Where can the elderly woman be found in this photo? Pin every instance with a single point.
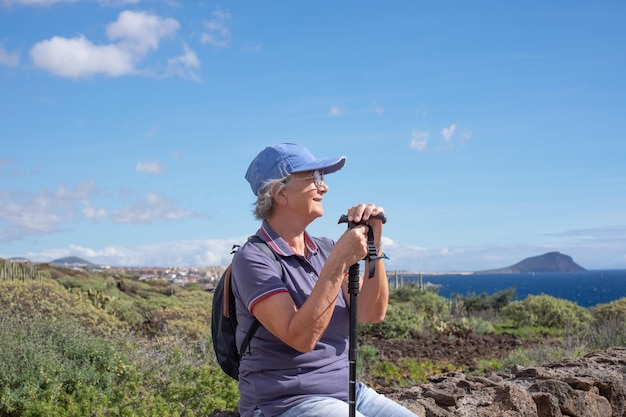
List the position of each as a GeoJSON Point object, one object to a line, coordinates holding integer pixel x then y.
{"type": "Point", "coordinates": [297, 363]}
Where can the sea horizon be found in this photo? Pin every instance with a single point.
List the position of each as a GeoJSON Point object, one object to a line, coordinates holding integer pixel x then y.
{"type": "Point", "coordinates": [585, 288]}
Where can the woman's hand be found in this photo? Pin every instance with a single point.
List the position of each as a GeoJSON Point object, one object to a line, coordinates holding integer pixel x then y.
{"type": "Point", "coordinates": [351, 247]}
{"type": "Point", "coordinates": [367, 213]}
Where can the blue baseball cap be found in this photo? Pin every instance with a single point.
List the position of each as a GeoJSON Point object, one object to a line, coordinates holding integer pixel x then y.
{"type": "Point", "coordinates": [278, 161]}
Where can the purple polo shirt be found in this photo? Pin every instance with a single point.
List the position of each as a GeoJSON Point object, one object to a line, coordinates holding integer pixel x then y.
{"type": "Point", "coordinates": [272, 376]}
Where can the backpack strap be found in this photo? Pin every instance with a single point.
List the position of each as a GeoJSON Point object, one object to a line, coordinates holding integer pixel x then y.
{"type": "Point", "coordinates": [225, 296]}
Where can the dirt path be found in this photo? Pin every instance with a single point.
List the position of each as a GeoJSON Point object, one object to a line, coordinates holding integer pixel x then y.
{"type": "Point", "coordinates": [446, 349]}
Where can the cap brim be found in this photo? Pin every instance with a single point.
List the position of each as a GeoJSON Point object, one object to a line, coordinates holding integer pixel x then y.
{"type": "Point", "coordinates": [327, 166]}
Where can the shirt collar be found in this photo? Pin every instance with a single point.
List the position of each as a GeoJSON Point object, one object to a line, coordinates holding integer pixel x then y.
{"type": "Point", "coordinates": [279, 245]}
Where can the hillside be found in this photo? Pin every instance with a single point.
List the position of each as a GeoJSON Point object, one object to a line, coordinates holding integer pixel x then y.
{"type": "Point", "coordinates": [72, 261]}
{"type": "Point", "coordinates": [548, 262]}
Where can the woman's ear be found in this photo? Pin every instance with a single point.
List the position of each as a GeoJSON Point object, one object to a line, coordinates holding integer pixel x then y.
{"type": "Point", "coordinates": [279, 195]}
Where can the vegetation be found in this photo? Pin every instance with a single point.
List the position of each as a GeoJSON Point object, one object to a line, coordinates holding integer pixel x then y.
{"type": "Point", "coordinates": [76, 343]}
{"type": "Point", "coordinates": [544, 310]}
{"type": "Point", "coordinates": [558, 328]}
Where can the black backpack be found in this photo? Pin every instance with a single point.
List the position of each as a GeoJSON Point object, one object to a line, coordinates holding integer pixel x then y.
{"type": "Point", "coordinates": [224, 316]}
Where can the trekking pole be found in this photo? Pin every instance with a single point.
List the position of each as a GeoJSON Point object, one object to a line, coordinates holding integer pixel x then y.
{"type": "Point", "coordinates": [353, 290]}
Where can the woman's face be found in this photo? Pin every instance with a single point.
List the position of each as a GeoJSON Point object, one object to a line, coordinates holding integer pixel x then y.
{"type": "Point", "coordinates": [306, 192]}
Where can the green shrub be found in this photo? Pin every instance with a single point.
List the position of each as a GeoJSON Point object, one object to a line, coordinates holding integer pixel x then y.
{"type": "Point", "coordinates": [405, 293]}
{"type": "Point", "coordinates": [431, 305]}
{"type": "Point", "coordinates": [406, 371]}
{"type": "Point", "coordinates": [401, 322]}
{"type": "Point", "coordinates": [615, 310]}
{"type": "Point", "coordinates": [388, 372]}
{"type": "Point", "coordinates": [51, 368]}
{"type": "Point", "coordinates": [183, 374]}
{"type": "Point", "coordinates": [485, 366]}
{"type": "Point", "coordinates": [367, 357]}
{"type": "Point", "coordinates": [48, 368]}
{"type": "Point", "coordinates": [536, 355]}
{"type": "Point", "coordinates": [48, 298]}
{"type": "Point", "coordinates": [606, 333]}
{"type": "Point", "coordinates": [417, 372]}
{"type": "Point", "coordinates": [548, 311]}
{"type": "Point", "coordinates": [485, 302]}
{"type": "Point", "coordinates": [466, 326]}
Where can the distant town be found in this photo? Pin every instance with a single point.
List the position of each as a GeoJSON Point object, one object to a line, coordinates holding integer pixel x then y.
{"type": "Point", "coordinates": [206, 277]}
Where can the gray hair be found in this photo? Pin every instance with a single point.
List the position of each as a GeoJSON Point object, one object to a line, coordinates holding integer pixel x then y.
{"type": "Point", "coordinates": [265, 200]}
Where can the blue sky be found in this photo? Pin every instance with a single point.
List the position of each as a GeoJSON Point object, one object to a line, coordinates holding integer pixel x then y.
{"type": "Point", "coordinates": [490, 131]}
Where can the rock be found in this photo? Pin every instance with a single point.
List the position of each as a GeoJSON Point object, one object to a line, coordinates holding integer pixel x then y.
{"type": "Point", "coordinates": [592, 386]}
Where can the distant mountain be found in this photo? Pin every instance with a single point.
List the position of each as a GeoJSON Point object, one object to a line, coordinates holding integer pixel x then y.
{"type": "Point", "coordinates": [72, 261]}
{"type": "Point", "coordinates": [548, 262]}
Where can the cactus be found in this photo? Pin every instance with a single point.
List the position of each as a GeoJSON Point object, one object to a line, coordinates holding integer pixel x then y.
{"type": "Point", "coordinates": [171, 290]}
{"type": "Point", "coordinates": [98, 299]}
{"type": "Point", "coordinates": [19, 271]}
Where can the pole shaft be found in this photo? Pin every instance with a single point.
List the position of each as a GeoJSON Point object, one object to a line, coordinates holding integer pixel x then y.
{"type": "Point", "coordinates": [353, 290]}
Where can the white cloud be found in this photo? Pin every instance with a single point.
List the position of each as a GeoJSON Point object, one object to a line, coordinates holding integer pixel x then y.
{"type": "Point", "coordinates": [9, 59]}
{"type": "Point", "coordinates": [78, 57]}
{"type": "Point", "coordinates": [137, 34]}
{"type": "Point", "coordinates": [152, 167]}
{"type": "Point", "coordinates": [188, 59]}
{"type": "Point", "coordinates": [153, 207]}
{"type": "Point", "coordinates": [419, 140]}
{"type": "Point", "coordinates": [95, 213]}
{"type": "Point", "coordinates": [335, 111]}
{"type": "Point", "coordinates": [216, 32]}
{"type": "Point", "coordinates": [448, 142]}
{"type": "Point", "coordinates": [184, 65]}
{"type": "Point", "coordinates": [186, 253]}
{"type": "Point", "coordinates": [44, 212]}
{"type": "Point", "coordinates": [453, 138]}
{"type": "Point", "coordinates": [49, 211]}
{"type": "Point", "coordinates": [448, 132]}
{"type": "Point", "coordinates": [140, 31]}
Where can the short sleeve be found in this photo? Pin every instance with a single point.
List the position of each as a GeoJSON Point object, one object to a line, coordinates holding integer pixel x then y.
{"type": "Point", "coordinates": [256, 276]}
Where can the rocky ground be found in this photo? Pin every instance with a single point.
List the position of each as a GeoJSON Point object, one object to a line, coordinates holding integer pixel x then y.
{"type": "Point", "coordinates": [592, 386]}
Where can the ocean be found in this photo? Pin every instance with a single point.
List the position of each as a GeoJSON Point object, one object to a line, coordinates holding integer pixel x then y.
{"type": "Point", "coordinates": [586, 289]}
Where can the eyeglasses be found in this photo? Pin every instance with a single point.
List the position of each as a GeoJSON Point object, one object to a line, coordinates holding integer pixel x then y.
{"type": "Point", "coordinates": [317, 178]}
